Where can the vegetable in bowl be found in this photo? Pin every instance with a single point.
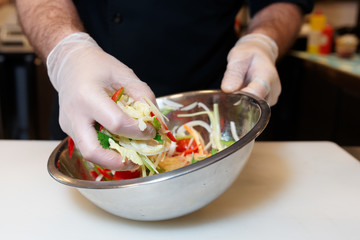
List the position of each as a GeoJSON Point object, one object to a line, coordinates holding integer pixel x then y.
{"type": "Point", "coordinates": [185, 144]}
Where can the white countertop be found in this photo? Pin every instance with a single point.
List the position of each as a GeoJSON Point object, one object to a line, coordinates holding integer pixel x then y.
{"type": "Point", "coordinates": [287, 190]}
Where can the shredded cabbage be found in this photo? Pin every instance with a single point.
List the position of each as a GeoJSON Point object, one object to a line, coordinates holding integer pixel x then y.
{"type": "Point", "coordinates": [146, 147]}
{"type": "Point", "coordinates": [126, 153]}
{"type": "Point", "coordinates": [161, 153]}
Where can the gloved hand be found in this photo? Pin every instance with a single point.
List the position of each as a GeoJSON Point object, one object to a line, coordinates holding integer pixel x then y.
{"type": "Point", "coordinates": [251, 68]}
{"type": "Point", "coordinates": [84, 76]}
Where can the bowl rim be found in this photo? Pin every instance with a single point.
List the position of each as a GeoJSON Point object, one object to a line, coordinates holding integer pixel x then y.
{"type": "Point", "coordinates": [259, 126]}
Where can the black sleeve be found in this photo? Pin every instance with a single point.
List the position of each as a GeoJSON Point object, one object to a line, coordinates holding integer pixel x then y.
{"type": "Point", "coordinates": [256, 5]}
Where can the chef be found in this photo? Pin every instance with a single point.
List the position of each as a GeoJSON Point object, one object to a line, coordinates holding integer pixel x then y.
{"type": "Point", "coordinates": [152, 48]}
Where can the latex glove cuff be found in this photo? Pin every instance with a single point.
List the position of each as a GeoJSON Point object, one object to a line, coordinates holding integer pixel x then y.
{"type": "Point", "coordinates": [266, 41]}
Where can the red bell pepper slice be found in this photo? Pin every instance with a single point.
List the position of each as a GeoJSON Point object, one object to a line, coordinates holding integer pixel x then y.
{"type": "Point", "coordinates": [122, 175]}
{"type": "Point", "coordinates": [71, 146]}
{"type": "Point", "coordinates": [168, 133]}
{"type": "Point", "coordinates": [117, 95]}
{"type": "Point", "coordinates": [171, 137]}
{"type": "Point", "coordinates": [183, 146]}
{"type": "Point", "coordinates": [191, 150]}
{"type": "Point", "coordinates": [105, 173]}
{"type": "Point", "coordinates": [94, 174]}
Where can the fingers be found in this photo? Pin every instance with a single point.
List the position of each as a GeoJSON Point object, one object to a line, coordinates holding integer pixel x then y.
{"type": "Point", "coordinates": [258, 87]}
{"type": "Point", "coordinates": [116, 121]}
{"type": "Point", "coordinates": [78, 116]}
{"type": "Point", "coordinates": [265, 85]}
{"type": "Point", "coordinates": [85, 136]}
{"type": "Point", "coordinates": [234, 76]}
{"type": "Point", "coordinates": [255, 74]}
{"type": "Point", "coordinates": [261, 88]}
{"type": "Point", "coordinates": [82, 73]}
{"type": "Point", "coordinates": [100, 108]}
{"type": "Point", "coordinates": [251, 68]}
{"type": "Point", "coordinates": [79, 124]}
{"type": "Point", "coordinates": [122, 76]}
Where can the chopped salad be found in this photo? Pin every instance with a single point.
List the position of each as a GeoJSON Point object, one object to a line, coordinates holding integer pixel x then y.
{"type": "Point", "coordinates": [168, 150]}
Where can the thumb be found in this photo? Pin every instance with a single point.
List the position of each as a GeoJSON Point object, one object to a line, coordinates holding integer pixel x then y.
{"type": "Point", "coordinates": [234, 76]}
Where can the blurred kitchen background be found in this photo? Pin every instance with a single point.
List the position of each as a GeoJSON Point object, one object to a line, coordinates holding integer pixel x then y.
{"type": "Point", "coordinates": [320, 80]}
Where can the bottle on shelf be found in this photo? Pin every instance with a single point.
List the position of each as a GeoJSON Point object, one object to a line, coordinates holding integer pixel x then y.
{"type": "Point", "coordinates": [317, 25]}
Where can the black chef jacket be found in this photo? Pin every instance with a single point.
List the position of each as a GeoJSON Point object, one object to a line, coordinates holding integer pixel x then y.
{"type": "Point", "coordinates": [173, 46]}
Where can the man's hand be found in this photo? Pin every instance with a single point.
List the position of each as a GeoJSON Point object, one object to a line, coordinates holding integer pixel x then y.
{"type": "Point", "coordinates": [251, 68]}
{"type": "Point", "coordinates": [251, 62]}
{"type": "Point", "coordinates": [84, 76]}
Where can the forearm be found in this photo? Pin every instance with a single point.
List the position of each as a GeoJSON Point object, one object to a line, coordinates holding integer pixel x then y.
{"type": "Point", "coordinates": [279, 21]}
{"type": "Point", "coordinates": [47, 22]}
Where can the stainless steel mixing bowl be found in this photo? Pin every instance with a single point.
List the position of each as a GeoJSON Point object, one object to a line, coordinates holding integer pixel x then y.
{"type": "Point", "coordinates": [182, 191]}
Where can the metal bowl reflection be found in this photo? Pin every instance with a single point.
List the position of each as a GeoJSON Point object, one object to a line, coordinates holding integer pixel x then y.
{"type": "Point", "coordinates": [178, 192]}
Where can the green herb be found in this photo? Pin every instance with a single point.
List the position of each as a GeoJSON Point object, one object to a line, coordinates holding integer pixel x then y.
{"type": "Point", "coordinates": [104, 140]}
{"type": "Point", "coordinates": [213, 151]}
{"type": "Point", "coordinates": [158, 138]}
{"type": "Point", "coordinates": [157, 124]}
{"type": "Point", "coordinates": [227, 143]}
{"type": "Point", "coordinates": [193, 160]}
{"type": "Point", "coordinates": [166, 110]}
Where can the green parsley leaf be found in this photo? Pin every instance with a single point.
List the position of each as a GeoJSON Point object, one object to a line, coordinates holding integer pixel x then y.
{"type": "Point", "coordinates": [104, 140]}
{"type": "Point", "coordinates": [158, 138]}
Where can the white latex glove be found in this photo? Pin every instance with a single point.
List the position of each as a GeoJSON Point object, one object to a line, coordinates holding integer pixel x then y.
{"type": "Point", "coordinates": [84, 76]}
{"type": "Point", "coordinates": [251, 68]}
